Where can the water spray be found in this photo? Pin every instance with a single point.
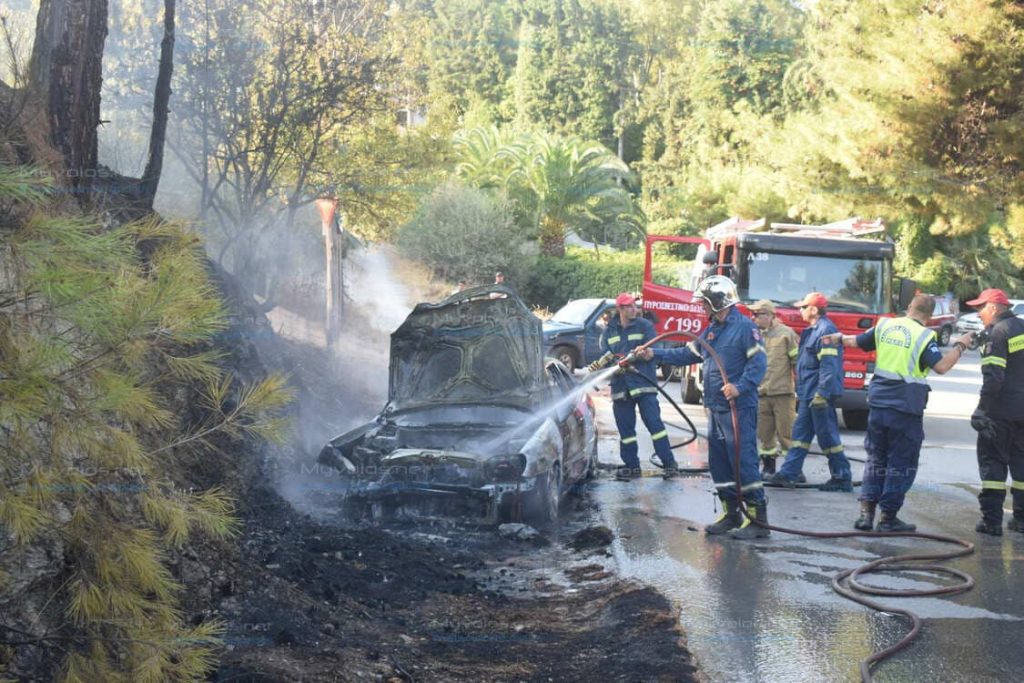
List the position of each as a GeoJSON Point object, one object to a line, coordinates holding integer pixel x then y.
{"type": "Point", "coordinates": [848, 583]}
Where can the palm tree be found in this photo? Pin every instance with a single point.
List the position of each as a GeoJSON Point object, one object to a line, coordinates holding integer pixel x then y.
{"type": "Point", "coordinates": [556, 184]}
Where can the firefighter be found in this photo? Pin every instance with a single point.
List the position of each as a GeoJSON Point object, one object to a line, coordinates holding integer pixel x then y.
{"type": "Point", "coordinates": [819, 384]}
{"type": "Point", "coordinates": [625, 332]}
{"type": "Point", "coordinates": [777, 393]}
{"type": "Point", "coordinates": [897, 396]}
{"type": "Point", "coordinates": [740, 346]}
{"type": "Point", "coordinates": [999, 417]}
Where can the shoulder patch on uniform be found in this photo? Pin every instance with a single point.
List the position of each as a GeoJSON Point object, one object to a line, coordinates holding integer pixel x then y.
{"type": "Point", "coordinates": [757, 334]}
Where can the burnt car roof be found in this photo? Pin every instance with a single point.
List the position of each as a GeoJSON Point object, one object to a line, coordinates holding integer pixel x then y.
{"type": "Point", "coordinates": [482, 345]}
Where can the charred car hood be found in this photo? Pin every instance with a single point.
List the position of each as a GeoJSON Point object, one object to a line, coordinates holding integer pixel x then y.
{"type": "Point", "coordinates": [481, 346]}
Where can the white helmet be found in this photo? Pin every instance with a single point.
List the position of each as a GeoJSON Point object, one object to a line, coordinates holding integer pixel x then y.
{"type": "Point", "coordinates": [719, 291]}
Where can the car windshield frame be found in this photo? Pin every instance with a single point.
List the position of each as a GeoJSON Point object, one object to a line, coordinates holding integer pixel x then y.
{"type": "Point", "coordinates": [577, 307]}
{"type": "Point", "coordinates": [800, 274]}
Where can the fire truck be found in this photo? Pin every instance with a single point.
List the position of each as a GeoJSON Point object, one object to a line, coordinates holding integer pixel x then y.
{"type": "Point", "coordinates": [782, 262]}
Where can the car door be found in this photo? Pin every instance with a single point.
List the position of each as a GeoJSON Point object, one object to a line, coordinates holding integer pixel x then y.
{"type": "Point", "coordinates": [571, 415]}
{"type": "Point", "coordinates": [596, 324]}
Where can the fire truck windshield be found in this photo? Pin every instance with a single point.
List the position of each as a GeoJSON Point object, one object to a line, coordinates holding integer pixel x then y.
{"type": "Point", "coordinates": [851, 284]}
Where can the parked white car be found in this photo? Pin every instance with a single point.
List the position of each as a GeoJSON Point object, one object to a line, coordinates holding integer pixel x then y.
{"type": "Point", "coordinates": [970, 322]}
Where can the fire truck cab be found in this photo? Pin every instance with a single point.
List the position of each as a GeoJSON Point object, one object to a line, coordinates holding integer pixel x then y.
{"type": "Point", "coordinates": [783, 262]}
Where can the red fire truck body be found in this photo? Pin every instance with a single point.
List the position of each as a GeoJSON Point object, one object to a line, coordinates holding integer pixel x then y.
{"type": "Point", "coordinates": [782, 263]}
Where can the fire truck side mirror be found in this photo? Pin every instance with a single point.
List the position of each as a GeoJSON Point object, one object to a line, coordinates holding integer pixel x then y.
{"type": "Point", "coordinates": [710, 258]}
{"type": "Point", "coordinates": [907, 290]}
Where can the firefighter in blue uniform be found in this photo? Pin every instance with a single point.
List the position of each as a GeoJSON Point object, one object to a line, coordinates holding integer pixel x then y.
{"type": "Point", "coordinates": [819, 384]}
{"type": "Point", "coordinates": [738, 342]}
{"type": "Point", "coordinates": [906, 350]}
{"type": "Point", "coordinates": [630, 390]}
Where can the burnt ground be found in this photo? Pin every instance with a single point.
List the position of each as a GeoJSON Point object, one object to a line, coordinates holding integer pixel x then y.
{"type": "Point", "coordinates": [304, 601]}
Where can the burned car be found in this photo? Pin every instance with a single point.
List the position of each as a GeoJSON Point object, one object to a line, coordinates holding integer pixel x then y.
{"type": "Point", "coordinates": [478, 422]}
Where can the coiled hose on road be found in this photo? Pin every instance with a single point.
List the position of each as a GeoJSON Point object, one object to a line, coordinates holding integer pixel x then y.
{"type": "Point", "coordinates": [853, 588]}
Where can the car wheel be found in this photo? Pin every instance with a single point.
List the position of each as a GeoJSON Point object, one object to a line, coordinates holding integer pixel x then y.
{"type": "Point", "coordinates": [549, 496]}
{"type": "Point", "coordinates": [592, 463]}
{"type": "Point", "coordinates": [691, 394]}
{"type": "Point", "coordinates": [855, 419]}
{"type": "Point", "coordinates": [944, 335]}
{"type": "Point", "coordinates": [567, 355]}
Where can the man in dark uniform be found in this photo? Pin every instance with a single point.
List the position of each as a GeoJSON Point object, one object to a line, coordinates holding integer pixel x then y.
{"type": "Point", "coordinates": [739, 344]}
{"type": "Point", "coordinates": [630, 391]}
{"type": "Point", "coordinates": [906, 350]}
{"type": "Point", "coordinates": [999, 417]}
{"type": "Point", "coordinates": [819, 384]}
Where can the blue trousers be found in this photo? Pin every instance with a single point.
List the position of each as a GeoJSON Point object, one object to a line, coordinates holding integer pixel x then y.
{"type": "Point", "coordinates": [722, 455]}
{"type": "Point", "coordinates": [893, 442]}
{"type": "Point", "coordinates": [823, 423]}
{"type": "Point", "coordinates": [624, 410]}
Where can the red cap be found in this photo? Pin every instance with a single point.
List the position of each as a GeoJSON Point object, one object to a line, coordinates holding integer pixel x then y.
{"type": "Point", "coordinates": [625, 299]}
{"type": "Point", "coordinates": [995, 296]}
{"type": "Point", "coordinates": [813, 299]}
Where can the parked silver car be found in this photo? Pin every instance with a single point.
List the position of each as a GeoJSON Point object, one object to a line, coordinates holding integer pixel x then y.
{"type": "Point", "coordinates": [970, 322]}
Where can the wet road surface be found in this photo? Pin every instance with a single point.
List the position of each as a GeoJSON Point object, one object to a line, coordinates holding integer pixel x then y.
{"type": "Point", "coordinates": [764, 610]}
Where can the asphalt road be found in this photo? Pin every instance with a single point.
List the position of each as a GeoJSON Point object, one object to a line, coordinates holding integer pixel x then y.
{"type": "Point", "coordinates": [764, 610]}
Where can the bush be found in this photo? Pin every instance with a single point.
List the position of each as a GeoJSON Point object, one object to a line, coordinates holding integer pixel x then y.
{"type": "Point", "coordinates": [582, 274]}
{"type": "Point", "coordinates": [464, 234]}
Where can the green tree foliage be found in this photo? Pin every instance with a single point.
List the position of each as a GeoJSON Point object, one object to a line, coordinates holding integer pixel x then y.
{"type": "Point", "coordinates": [571, 73]}
{"type": "Point", "coordinates": [97, 343]}
{"type": "Point", "coordinates": [466, 234]}
{"type": "Point", "coordinates": [557, 184]}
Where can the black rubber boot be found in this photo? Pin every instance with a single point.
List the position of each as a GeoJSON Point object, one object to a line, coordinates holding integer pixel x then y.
{"type": "Point", "coordinates": [768, 466]}
{"type": "Point", "coordinates": [729, 519]}
{"type": "Point", "coordinates": [748, 530]}
{"type": "Point", "coordinates": [780, 481]}
{"type": "Point", "coordinates": [891, 523]}
{"type": "Point", "coordinates": [1015, 524]}
{"type": "Point", "coordinates": [843, 485]}
{"type": "Point", "coordinates": [991, 528]}
{"type": "Point", "coordinates": [867, 517]}
{"type": "Point", "coordinates": [670, 473]}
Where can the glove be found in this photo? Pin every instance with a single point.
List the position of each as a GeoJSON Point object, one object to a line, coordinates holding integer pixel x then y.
{"type": "Point", "coordinates": [601, 362]}
{"type": "Point", "coordinates": [819, 401]}
{"type": "Point", "coordinates": [983, 424]}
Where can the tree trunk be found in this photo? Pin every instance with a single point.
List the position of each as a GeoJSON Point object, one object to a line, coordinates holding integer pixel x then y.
{"type": "Point", "coordinates": [161, 98]}
{"type": "Point", "coordinates": [552, 237]}
{"type": "Point", "coordinates": [65, 74]}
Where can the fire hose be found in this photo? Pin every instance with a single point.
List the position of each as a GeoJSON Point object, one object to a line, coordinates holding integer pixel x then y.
{"type": "Point", "coordinates": [848, 583]}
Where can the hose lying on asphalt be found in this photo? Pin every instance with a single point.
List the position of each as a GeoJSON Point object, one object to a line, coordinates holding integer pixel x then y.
{"type": "Point", "coordinates": [848, 582]}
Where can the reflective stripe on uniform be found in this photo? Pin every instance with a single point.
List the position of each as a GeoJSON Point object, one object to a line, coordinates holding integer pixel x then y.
{"type": "Point", "coordinates": [693, 348]}
{"type": "Point", "coordinates": [754, 350]}
{"type": "Point", "coordinates": [618, 396]}
{"type": "Point", "coordinates": [634, 337]}
{"type": "Point", "coordinates": [753, 486]}
{"type": "Point", "coordinates": [828, 352]}
{"type": "Point", "coordinates": [614, 340]}
{"type": "Point", "coordinates": [629, 439]}
{"type": "Point", "coordinates": [663, 434]}
{"type": "Point", "coordinates": [793, 351]}
{"type": "Point", "coordinates": [1019, 485]}
{"type": "Point", "coordinates": [801, 444]}
{"type": "Point", "coordinates": [642, 390]}
{"type": "Point", "coordinates": [1016, 343]}
{"type": "Point", "coordinates": [725, 485]}
{"type": "Point", "coordinates": [834, 449]}
{"type": "Point", "coordinates": [993, 484]}
{"type": "Point", "coordinates": [994, 360]}
{"type": "Point", "coordinates": [763, 452]}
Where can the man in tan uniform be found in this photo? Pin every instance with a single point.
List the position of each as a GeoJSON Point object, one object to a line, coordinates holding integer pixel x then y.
{"type": "Point", "coordinates": [777, 408]}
